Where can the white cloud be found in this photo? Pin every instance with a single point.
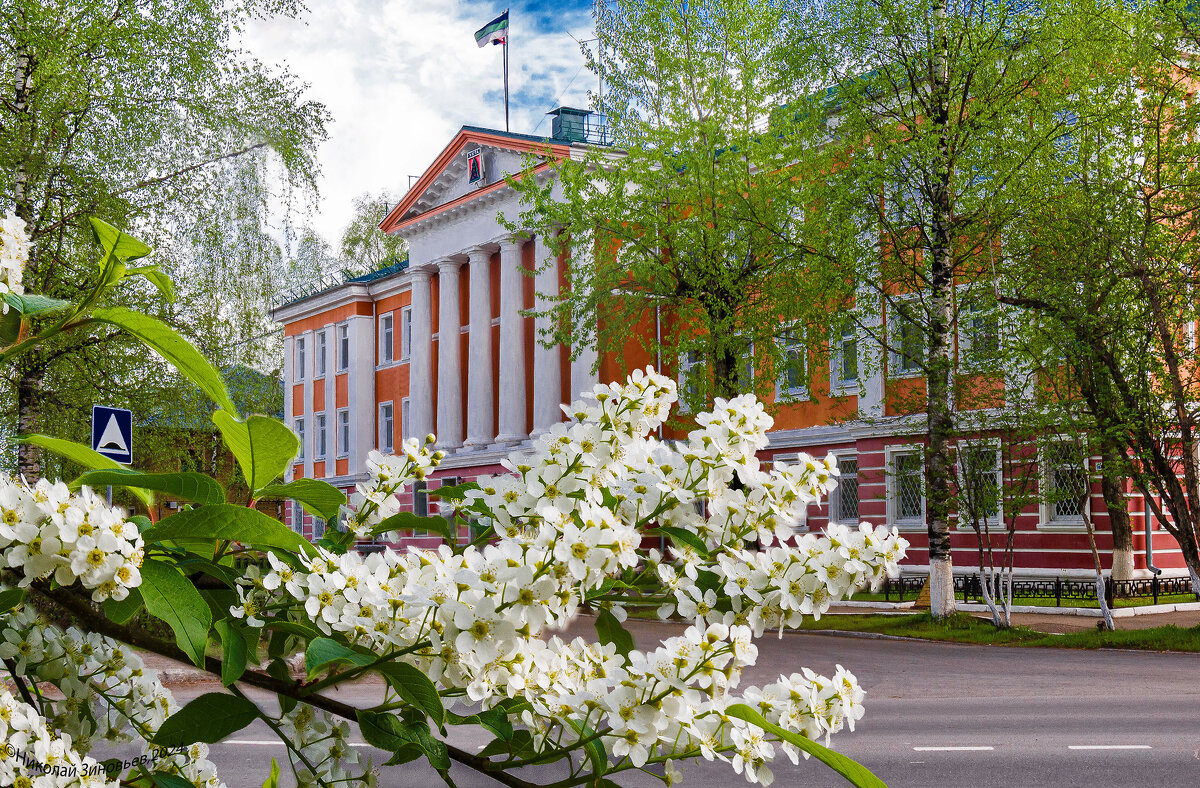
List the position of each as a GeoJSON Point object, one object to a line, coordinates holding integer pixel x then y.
{"type": "Point", "coordinates": [400, 77]}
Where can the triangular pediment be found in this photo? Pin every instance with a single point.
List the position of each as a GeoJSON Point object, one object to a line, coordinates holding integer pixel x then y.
{"type": "Point", "coordinates": [449, 179]}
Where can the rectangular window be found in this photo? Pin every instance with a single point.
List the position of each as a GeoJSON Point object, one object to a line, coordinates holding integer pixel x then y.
{"type": "Point", "coordinates": [405, 424]}
{"type": "Point", "coordinates": [297, 517]}
{"type": "Point", "coordinates": [343, 351]}
{"type": "Point", "coordinates": [691, 367]}
{"type": "Point", "coordinates": [322, 351]}
{"type": "Point", "coordinates": [1066, 483]}
{"type": "Point", "coordinates": [343, 433]}
{"type": "Point", "coordinates": [793, 377]}
{"type": "Point", "coordinates": [301, 358]}
{"type": "Point", "coordinates": [844, 500]}
{"type": "Point", "coordinates": [906, 493]}
{"type": "Point", "coordinates": [420, 499]}
{"type": "Point", "coordinates": [980, 484]}
{"type": "Point", "coordinates": [318, 528]}
{"type": "Point", "coordinates": [978, 330]}
{"type": "Point", "coordinates": [319, 438]}
{"type": "Point", "coordinates": [405, 332]}
{"type": "Point", "coordinates": [386, 428]}
{"type": "Point", "coordinates": [844, 360]}
{"type": "Point", "coordinates": [386, 346]}
{"type": "Point", "coordinates": [299, 430]}
{"type": "Point", "coordinates": [907, 338]}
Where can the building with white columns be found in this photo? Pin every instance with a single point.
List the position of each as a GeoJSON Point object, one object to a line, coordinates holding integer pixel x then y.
{"type": "Point", "coordinates": [439, 344]}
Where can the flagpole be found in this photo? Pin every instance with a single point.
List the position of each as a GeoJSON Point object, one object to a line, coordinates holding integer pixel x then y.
{"type": "Point", "coordinates": [507, 34]}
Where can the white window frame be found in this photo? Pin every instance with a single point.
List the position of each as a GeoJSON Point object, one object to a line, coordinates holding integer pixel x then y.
{"type": "Point", "coordinates": [837, 384]}
{"type": "Point", "coordinates": [298, 428]}
{"type": "Point", "coordinates": [796, 340]}
{"type": "Point", "coordinates": [835, 513]}
{"type": "Point", "coordinates": [320, 437]}
{"type": "Point", "coordinates": [387, 427]}
{"type": "Point", "coordinates": [297, 517]}
{"type": "Point", "coordinates": [405, 415]}
{"type": "Point", "coordinates": [1047, 520]}
{"type": "Point", "coordinates": [301, 359]}
{"type": "Point", "coordinates": [387, 338]}
{"type": "Point", "coordinates": [320, 355]}
{"type": "Point", "coordinates": [405, 333]}
{"type": "Point", "coordinates": [343, 432]}
{"type": "Point", "coordinates": [891, 453]}
{"type": "Point", "coordinates": [996, 520]}
{"type": "Point", "coordinates": [895, 345]}
{"type": "Point", "coordinates": [343, 347]}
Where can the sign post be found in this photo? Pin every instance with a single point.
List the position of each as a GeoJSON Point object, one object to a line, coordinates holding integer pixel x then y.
{"type": "Point", "coordinates": [112, 435]}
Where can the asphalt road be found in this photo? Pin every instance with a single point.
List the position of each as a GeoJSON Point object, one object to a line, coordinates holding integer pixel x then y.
{"type": "Point", "coordinates": [937, 715]}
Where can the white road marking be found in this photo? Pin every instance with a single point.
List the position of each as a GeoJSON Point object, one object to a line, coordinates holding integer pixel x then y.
{"type": "Point", "coordinates": [1109, 747]}
{"type": "Point", "coordinates": [952, 749]}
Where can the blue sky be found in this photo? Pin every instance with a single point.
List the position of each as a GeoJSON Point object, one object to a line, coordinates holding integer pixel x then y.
{"type": "Point", "coordinates": [401, 76]}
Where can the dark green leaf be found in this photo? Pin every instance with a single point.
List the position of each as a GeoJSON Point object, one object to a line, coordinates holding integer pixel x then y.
{"type": "Point", "coordinates": [10, 598]}
{"type": "Point", "coordinates": [263, 446]}
{"type": "Point", "coordinates": [382, 730]}
{"type": "Point", "coordinates": [10, 326]}
{"type": "Point", "coordinates": [33, 305]}
{"type": "Point", "coordinates": [596, 752]}
{"type": "Point", "coordinates": [80, 454]}
{"type": "Point", "coordinates": [121, 612]}
{"type": "Point", "coordinates": [415, 687]}
{"type": "Point", "coordinates": [171, 597]}
{"type": "Point", "coordinates": [406, 754]}
{"type": "Point", "coordinates": [316, 496]}
{"type": "Point", "coordinates": [226, 521]}
{"type": "Point", "coordinates": [209, 718]}
{"type": "Point", "coordinates": [306, 631]}
{"type": "Point", "coordinates": [852, 770]}
{"type": "Point", "coordinates": [233, 651]}
{"type": "Point", "coordinates": [141, 521]}
{"type": "Point", "coordinates": [609, 630]}
{"type": "Point", "coordinates": [494, 719]}
{"type": "Point", "coordinates": [324, 652]}
{"type": "Point", "coordinates": [684, 536]}
{"type": "Point", "coordinates": [189, 486]}
{"type": "Point", "coordinates": [455, 492]}
{"type": "Point", "coordinates": [407, 521]}
{"type": "Point", "coordinates": [121, 246]}
{"type": "Point", "coordinates": [164, 780]}
{"type": "Point", "coordinates": [175, 349]}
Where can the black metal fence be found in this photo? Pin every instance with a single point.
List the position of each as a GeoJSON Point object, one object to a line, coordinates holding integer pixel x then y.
{"type": "Point", "coordinates": [970, 587]}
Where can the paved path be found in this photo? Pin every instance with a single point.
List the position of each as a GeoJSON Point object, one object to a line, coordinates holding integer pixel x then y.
{"type": "Point", "coordinates": [938, 715]}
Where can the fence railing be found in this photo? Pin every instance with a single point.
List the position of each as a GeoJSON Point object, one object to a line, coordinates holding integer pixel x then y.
{"type": "Point", "coordinates": [908, 587]}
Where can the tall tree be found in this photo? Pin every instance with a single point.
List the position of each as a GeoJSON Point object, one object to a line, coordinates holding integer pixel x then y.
{"type": "Point", "coordinates": [662, 221]}
{"type": "Point", "coordinates": [364, 247]}
{"type": "Point", "coordinates": [128, 109]}
{"type": "Point", "coordinates": [914, 125]}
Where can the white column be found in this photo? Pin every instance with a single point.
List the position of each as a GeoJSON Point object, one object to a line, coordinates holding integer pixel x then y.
{"type": "Point", "coordinates": [310, 419]}
{"type": "Point", "coordinates": [420, 366]}
{"type": "Point", "coordinates": [290, 379]}
{"type": "Point", "coordinates": [583, 378]}
{"type": "Point", "coordinates": [360, 391]}
{"type": "Point", "coordinates": [481, 427]}
{"type": "Point", "coordinates": [547, 377]}
{"type": "Point", "coordinates": [449, 399]}
{"type": "Point", "coordinates": [512, 344]}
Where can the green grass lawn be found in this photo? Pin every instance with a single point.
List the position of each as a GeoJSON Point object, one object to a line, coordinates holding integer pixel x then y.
{"type": "Point", "coordinates": [1163, 599]}
{"type": "Point", "coordinates": [964, 628]}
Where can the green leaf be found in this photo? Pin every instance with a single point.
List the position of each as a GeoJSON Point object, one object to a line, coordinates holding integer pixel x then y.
{"type": "Point", "coordinates": [596, 752]}
{"type": "Point", "coordinates": [494, 719]}
{"type": "Point", "coordinates": [318, 497]}
{"type": "Point", "coordinates": [171, 597]}
{"type": "Point", "coordinates": [81, 455]}
{"type": "Point", "coordinates": [34, 305]}
{"type": "Point", "coordinates": [157, 278]}
{"type": "Point", "coordinates": [10, 326]}
{"type": "Point", "coordinates": [121, 246]}
{"type": "Point", "coordinates": [324, 652]}
{"type": "Point", "coordinates": [209, 718]}
{"type": "Point", "coordinates": [382, 730]}
{"type": "Point", "coordinates": [272, 778]}
{"type": "Point", "coordinates": [164, 780]}
{"type": "Point", "coordinates": [121, 612]}
{"type": "Point", "coordinates": [10, 598]}
{"type": "Point", "coordinates": [263, 447]}
{"type": "Point", "coordinates": [684, 536]}
{"type": "Point", "coordinates": [189, 486]}
{"type": "Point", "coordinates": [406, 753]}
{"type": "Point", "coordinates": [852, 770]}
{"type": "Point", "coordinates": [455, 492]}
{"type": "Point", "coordinates": [407, 521]}
{"type": "Point", "coordinates": [175, 349]}
{"type": "Point", "coordinates": [411, 684]}
{"type": "Point", "coordinates": [233, 651]}
{"type": "Point", "coordinates": [227, 521]}
{"type": "Point", "coordinates": [609, 630]}
{"type": "Point", "coordinates": [306, 631]}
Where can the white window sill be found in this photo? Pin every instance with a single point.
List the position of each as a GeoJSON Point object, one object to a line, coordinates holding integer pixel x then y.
{"type": "Point", "coordinates": [905, 375]}
{"type": "Point", "coordinates": [909, 525]}
{"type": "Point", "coordinates": [844, 391]}
{"type": "Point", "coordinates": [1063, 526]}
{"type": "Point", "coordinates": [792, 395]}
{"type": "Point", "coordinates": [387, 365]}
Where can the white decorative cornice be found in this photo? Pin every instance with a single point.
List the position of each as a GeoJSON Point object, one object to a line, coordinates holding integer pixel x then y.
{"type": "Point", "coordinates": [321, 302]}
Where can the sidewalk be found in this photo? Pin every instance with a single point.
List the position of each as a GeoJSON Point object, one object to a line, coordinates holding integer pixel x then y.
{"type": "Point", "coordinates": [1056, 623]}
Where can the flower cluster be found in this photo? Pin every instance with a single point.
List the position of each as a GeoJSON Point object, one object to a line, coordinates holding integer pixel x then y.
{"type": "Point", "coordinates": [14, 253]}
{"type": "Point", "coordinates": [47, 530]}
{"type": "Point", "coordinates": [570, 521]}
{"type": "Point", "coordinates": [324, 744]}
{"type": "Point", "coordinates": [34, 754]}
{"type": "Point", "coordinates": [107, 693]}
{"type": "Point", "coordinates": [377, 502]}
